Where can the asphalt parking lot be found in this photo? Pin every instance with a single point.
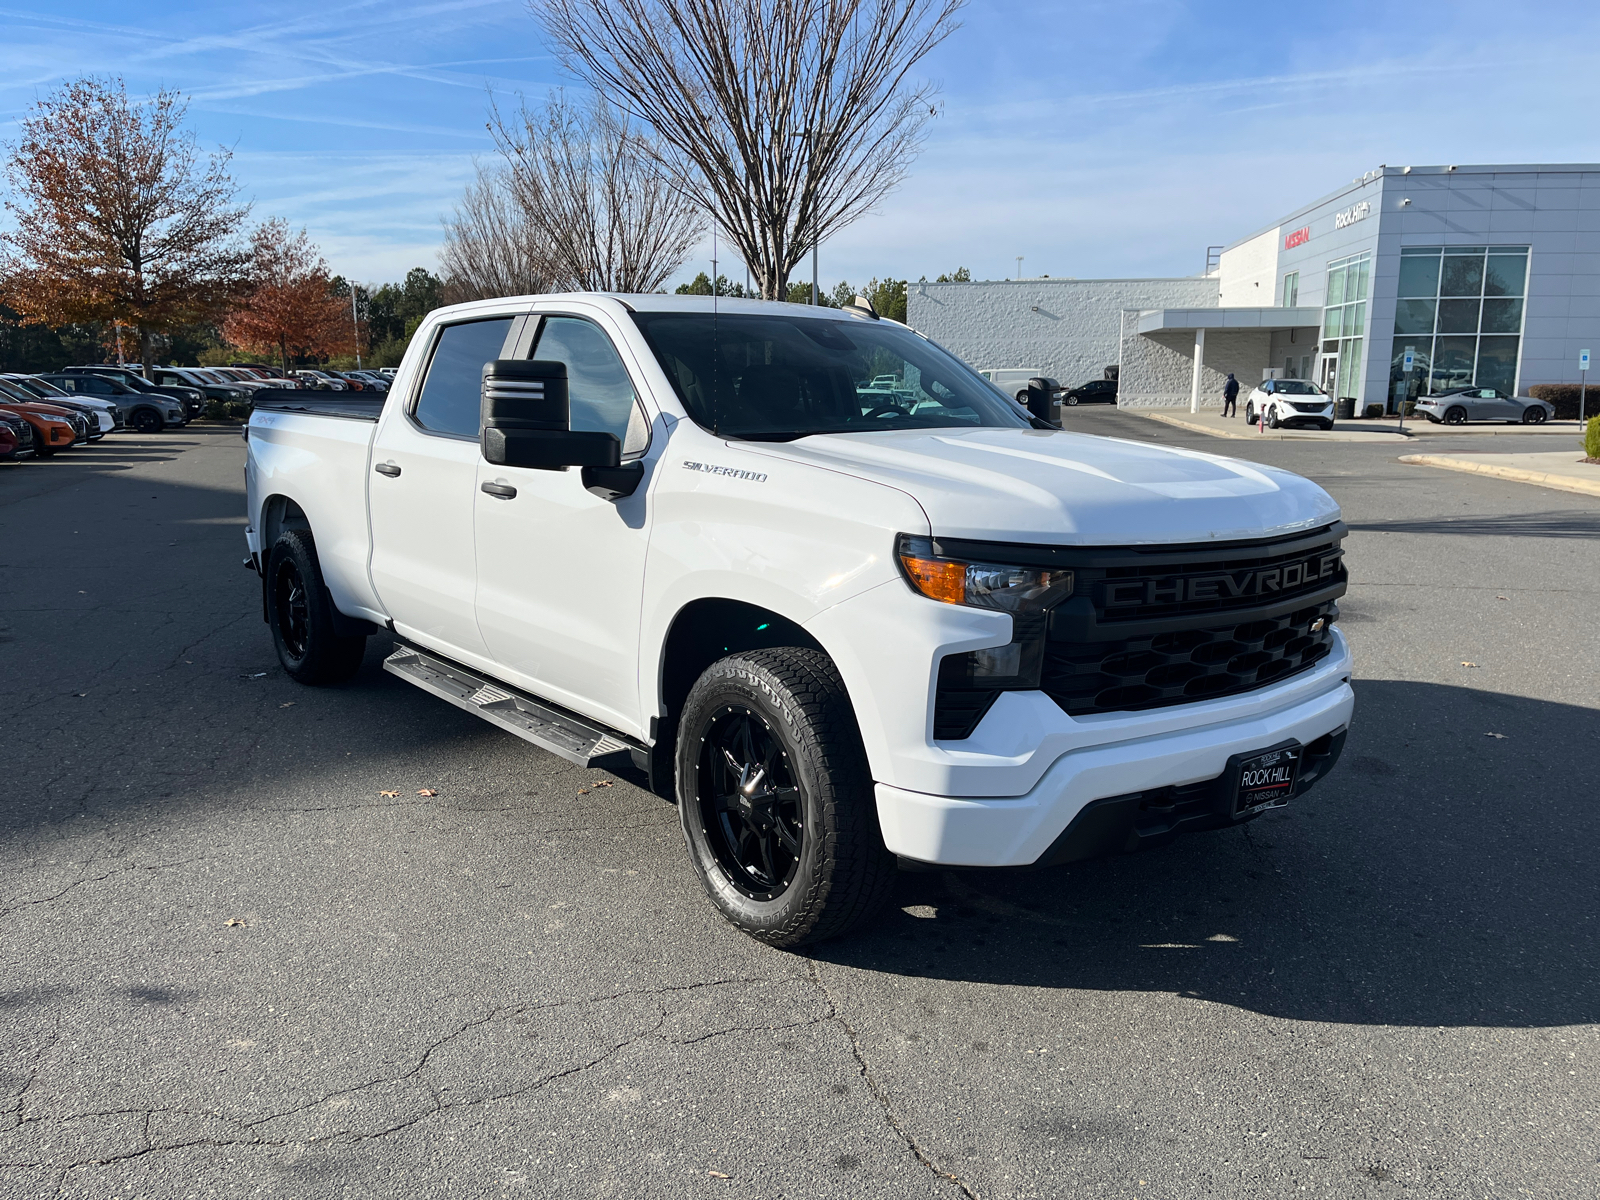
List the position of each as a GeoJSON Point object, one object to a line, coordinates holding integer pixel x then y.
{"type": "Point", "coordinates": [232, 965]}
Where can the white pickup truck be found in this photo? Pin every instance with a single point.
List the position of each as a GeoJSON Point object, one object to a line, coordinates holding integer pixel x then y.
{"type": "Point", "coordinates": [840, 625]}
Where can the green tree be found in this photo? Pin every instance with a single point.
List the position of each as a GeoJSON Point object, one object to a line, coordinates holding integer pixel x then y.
{"type": "Point", "coordinates": [961, 275]}
{"type": "Point", "coordinates": [700, 285]}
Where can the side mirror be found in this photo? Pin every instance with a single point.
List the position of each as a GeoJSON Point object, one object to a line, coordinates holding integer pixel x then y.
{"type": "Point", "coordinates": [525, 420]}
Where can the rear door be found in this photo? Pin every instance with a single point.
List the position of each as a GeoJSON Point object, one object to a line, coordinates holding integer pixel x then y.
{"type": "Point", "coordinates": [422, 482]}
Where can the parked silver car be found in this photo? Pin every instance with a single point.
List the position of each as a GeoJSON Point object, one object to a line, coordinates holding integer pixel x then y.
{"type": "Point", "coordinates": [1457, 406]}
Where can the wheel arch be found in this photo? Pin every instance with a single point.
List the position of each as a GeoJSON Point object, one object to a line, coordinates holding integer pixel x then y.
{"type": "Point", "coordinates": [280, 512]}
{"type": "Point", "coordinates": [704, 630]}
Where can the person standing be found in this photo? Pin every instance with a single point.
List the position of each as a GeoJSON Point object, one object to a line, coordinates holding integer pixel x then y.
{"type": "Point", "coordinates": [1230, 397]}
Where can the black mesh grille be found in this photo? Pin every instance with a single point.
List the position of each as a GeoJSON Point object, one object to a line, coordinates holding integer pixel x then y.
{"type": "Point", "coordinates": [1181, 666]}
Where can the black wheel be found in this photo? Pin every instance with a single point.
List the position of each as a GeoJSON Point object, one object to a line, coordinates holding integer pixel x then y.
{"type": "Point", "coordinates": [301, 615]}
{"type": "Point", "coordinates": [1533, 415]}
{"type": "Point", "coordinates": [777, 803]}
{"type": "Point", "coordinates": [1455, 416]}
{"type": "Point", "coordinates": [146, 420]}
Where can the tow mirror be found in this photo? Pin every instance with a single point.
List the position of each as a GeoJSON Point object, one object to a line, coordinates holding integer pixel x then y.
{"type": "Point", "coordinates": [526, 423]}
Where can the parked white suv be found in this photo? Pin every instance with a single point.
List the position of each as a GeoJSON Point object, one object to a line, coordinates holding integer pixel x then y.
{"type": "Point", "coordinates": [837, 622]}
{"type": "Point", "coordinates": [1288, 403]}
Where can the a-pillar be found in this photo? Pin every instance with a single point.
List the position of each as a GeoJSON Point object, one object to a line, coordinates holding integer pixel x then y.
{"type": "Point", "coordinates": [1199, 358]}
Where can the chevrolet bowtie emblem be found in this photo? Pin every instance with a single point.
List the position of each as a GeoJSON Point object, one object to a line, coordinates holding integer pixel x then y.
{"type": "Point", "coordinates": [1319, 625]}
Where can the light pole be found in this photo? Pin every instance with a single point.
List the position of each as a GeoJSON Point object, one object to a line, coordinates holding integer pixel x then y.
{"type": "Point", "coordinates": [355, 325]}
{"type": "Point", "coordinates": [1019, 268]}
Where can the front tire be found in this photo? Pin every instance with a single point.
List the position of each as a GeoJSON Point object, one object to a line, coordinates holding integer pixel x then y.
{"type": "Point", "coordinates": [777, 803]}
{"type": "Point", "coordinates": [300, 615]}
{"type": "Point", "coordinates": [147, 420]}
{"type": "Point", "coordinates": [1456, 416]}
{"type": "Point", "coordinates": [1533, 415]}
{"type": "Point", "coordinates": [1272, 418]}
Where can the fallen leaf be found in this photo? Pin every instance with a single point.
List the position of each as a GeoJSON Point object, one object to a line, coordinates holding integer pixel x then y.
{"type": "Point", "coordinates": [1502, 597]}
{"type": "Point", "coordinates": [1501, 736]}
{"type": "Point", "coordinates": [426, 792]}
{"type": "Point", "coordinates": [719, 1175]}
{"type": "Point", "coordinates": [1467, 664]}
{"type": "Point", "coordinates": [287, 704]}
{"type": "Point", "coordinates": [391, 794]}
{"type": "Point", "coordinates": [234, 921]}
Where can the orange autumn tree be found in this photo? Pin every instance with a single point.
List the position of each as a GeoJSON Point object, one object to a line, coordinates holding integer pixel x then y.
{"type": "Point", "coordinates": [288, 306]}
{"type": "Point", "coordinates": [118, 217]}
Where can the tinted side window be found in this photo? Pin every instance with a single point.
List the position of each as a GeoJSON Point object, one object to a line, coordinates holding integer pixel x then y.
{"type": "Point", "coordinates": [599, 391]}
{"type": "Point", "coordinates": [450, 394]}
{"type": "Point", "coordinates": [98, 386]}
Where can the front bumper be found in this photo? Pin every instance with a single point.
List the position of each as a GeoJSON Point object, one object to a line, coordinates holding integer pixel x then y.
{"type": "Point", "coordinates": [1135, 756]}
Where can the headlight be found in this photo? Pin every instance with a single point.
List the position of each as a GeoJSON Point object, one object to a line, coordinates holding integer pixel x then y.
{"type": "Point", "coordinates": [979, 584]}
{"type": "Point", "coordinates": [1027, 593]}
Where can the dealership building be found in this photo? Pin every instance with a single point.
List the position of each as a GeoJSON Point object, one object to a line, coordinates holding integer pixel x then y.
{"type": "Point", "coordinates": [1483, 275]}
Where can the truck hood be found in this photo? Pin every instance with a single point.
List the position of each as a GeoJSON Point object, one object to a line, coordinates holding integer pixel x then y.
{"type": "Point", "coordinates": [1072, 489]}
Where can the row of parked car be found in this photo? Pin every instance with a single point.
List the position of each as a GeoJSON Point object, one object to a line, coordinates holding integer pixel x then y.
{"type": "Point", "coordinates": [44, 413]}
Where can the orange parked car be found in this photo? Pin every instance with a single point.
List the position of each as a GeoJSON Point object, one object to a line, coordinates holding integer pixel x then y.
{"type": "Point", "coordinates": [53, 428]}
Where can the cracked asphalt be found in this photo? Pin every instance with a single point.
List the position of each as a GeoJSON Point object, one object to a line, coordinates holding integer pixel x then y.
{"type": "Point", "coordinates": [231, 966]}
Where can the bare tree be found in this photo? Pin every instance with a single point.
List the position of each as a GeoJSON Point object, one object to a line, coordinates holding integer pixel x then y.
{"type": "Point", "coordinates": [489, 248]}
{"type": "Point", "coordinates": [600, 210]}
{"type": "Point", "coordinates": [789, 118]}
{"type": "Point", "coordinates": [120, 218]}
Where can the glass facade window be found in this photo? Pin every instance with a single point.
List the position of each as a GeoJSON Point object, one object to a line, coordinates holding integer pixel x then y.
{"type": "Point", "coordinates": [1344, 323]}
{"type": "Point", "coordinates": [1291, 289]}
{"type": "Point", "coordinates": [1460, 310]}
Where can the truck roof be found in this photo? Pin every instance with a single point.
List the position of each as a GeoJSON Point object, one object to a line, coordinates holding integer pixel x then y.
{"type": "Point", "coordinates": [657, 302]}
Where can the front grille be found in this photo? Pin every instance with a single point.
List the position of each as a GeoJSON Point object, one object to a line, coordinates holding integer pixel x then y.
{"type": "Point", "coordinates": [1148, 626]}
{"type": "Point", "coordinates": [1184, 665]}
{"type": "Point", "coordinates": [1315, 407]}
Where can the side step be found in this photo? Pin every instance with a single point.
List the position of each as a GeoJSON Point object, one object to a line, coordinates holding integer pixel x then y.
{"type": "Point", "coordinates": [560, 732]}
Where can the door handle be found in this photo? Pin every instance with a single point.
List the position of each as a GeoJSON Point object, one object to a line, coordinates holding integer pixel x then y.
{"type": "Point", "coordinates": [502, 491]}
{"type": "Point", "coordinates": [389, 469]}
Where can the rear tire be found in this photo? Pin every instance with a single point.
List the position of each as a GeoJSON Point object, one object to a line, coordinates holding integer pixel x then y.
{"type": "Point", "coordinates": [301, 615]}
{"type": "Point", "coordinates": [777, 803]}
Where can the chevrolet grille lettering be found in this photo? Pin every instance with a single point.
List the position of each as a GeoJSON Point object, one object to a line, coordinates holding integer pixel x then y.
{"type": "Point", "coordinates": [1177, 589]}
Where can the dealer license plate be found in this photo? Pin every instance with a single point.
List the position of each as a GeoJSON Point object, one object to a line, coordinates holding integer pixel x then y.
{"type": "Point", "coordinates": [1266, 781]}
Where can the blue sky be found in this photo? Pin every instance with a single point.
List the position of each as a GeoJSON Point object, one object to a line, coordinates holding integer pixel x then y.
{"type": "Point", "coordinates": [1094, 139]}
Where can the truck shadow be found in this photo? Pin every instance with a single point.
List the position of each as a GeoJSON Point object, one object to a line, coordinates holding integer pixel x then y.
{"type": "Point", "coordinates": [1441, 876]}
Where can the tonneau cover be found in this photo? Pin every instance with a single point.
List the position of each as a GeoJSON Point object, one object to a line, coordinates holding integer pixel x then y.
{"type": "Point", "coordinates": [357, 407]}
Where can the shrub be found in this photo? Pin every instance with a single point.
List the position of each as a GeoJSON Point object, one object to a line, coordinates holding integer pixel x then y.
{"type": "Point", "coordinates": [1591, 438]}
{"type": "Point", "coordinates": [1565, 397]}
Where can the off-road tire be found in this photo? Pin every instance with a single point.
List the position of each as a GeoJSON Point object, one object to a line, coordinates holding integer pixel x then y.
{"type": "Point", "coordinates": [302, 629]}
{"type": "Point", "coordinates": [843, 875]}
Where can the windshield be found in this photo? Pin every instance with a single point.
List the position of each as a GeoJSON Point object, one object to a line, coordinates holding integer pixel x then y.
{"type": "Point", "coordinates": [779, 377]}
{"type": "Point", "coordinates": [1296, 387]}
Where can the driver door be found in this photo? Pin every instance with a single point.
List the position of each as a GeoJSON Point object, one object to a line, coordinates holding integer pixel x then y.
{"type": "Point", "coordinates": [560, 570]}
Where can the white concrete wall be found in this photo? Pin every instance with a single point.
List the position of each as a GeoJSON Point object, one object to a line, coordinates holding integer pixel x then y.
{"type": "Point", "coordinates": [1249, 271]}
{"type": "Point", "coordinates": [1158, 368]}
{"type": "Point", "coordinates": [1068, 329]}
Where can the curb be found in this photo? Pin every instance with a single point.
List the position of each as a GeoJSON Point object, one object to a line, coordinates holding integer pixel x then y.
{"type": "Point", "coordinates": [1563, 483]}
{"type": "Point", "coordinates": [1360, 435]}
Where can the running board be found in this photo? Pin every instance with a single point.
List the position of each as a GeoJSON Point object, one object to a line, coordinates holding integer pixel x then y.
{"type": "Point", "coordinates": [563, 733]}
